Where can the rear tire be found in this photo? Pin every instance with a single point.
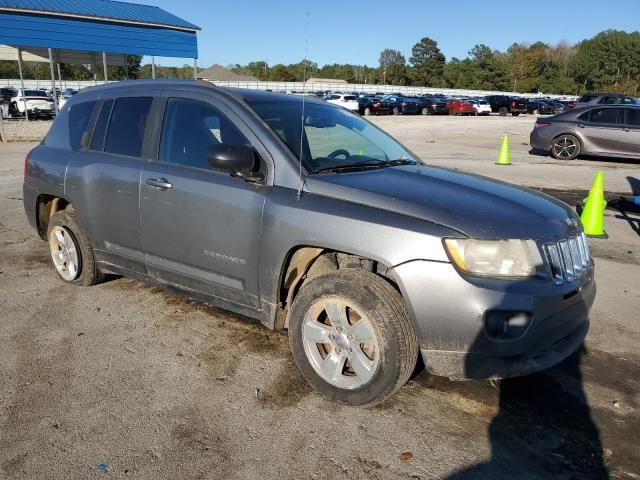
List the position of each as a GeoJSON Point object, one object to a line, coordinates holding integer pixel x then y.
{"type": "Point", "coordinates": [396, 111]}
{"type": "Point", "coordinates": [367, 112]}
{"type": "Point", "coordinates": [565, 147]}
{"type": "Point", "coordinates": [345, 360]}
{"type": "Point", "coordinates": [425, 111]}
{"type": "Point", "coordinates": [503, 111]}
{"type": "Point", "coordinates": [515, 114]}
{"type": "Point", "coordinates": [71, 251]}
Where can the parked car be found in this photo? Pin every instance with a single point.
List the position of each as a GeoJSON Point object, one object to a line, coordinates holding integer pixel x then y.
{"type": "Point", "coordinates": [38, 104]}
{"type": "Point", "coordinates": [542, 107]}
{"type": "Point", "coordinates": [6, 94]}
{"type": "Point", "coordinates": [481, 106]}
{"type": "Point", "coordinates": [460, 107]}
{"type": "Point", "coordinates": [504, 104]}
{"type": "Point", "coordinates": [590, 99]}
{"type": "Point", "coordinates": [327, 227]}
{"type": "Point", "coordinates": [373, 106]}
{"type": "Point", "coordinates": [400, 105]}
{"type": "Point", "coordinates": [612, 131]}
{"type": "Point", "coordinates": [436, 105]}
{"type": "Point", "coordinates": [350, 102]}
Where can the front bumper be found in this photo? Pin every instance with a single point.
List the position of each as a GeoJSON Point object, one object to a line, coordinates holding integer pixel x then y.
{"type": "Point", "coordinates": [449, 313]}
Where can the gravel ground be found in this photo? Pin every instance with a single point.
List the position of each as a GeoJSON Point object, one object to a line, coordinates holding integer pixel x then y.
{"type": "Point", "coordinates": [123, 380]}
{"type": "Point", "coordinates": [22, 131]}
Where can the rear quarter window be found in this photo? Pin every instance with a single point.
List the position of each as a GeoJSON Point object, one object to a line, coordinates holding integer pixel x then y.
{"type": "Point", "coordinates": [79, 116]}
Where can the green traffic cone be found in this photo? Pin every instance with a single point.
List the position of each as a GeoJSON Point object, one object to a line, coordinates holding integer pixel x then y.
{"type": "Point", "coordinates": [592, 217]}
{"type": "Point", "coordinates": [503, 155]}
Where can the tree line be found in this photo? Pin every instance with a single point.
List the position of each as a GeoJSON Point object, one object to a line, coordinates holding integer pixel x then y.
{"type": "Point", "coordinates": [609, 61]}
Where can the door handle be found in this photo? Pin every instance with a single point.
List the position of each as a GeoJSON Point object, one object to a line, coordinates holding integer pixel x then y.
{"type": "Point", "coordinates": [159, 183]}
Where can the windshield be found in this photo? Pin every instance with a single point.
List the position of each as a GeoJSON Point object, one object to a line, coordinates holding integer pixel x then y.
{"type": "Point", "coordinates": [333, 137]}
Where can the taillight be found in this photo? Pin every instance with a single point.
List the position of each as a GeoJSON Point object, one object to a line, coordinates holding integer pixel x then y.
{"type": "Point", "coordinates": [434, 104]}
{"type": "Point", "coordinates": [26, 166]}
{"type": "Point", "coordinates": [404, 104]}
{"type": "Point", "coordinates": [542, 124]}
{"type": "Point", "coordinates": [513, 104]}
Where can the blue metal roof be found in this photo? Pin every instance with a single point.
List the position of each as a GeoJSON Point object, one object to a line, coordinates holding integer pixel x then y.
{"type": "Point", "coordinates": [28, 30]}
{"type": "Point", "coordinates": [99, 9]}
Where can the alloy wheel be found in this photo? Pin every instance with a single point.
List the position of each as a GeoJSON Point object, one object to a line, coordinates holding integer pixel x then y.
{"type": "Point", "coordinates": [564, 147]}
{"type": "Point", "coordinates": [64, 252]}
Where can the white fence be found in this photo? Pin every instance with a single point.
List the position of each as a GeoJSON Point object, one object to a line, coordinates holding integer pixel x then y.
{"type": "Point", "coordinates": [303, 87]}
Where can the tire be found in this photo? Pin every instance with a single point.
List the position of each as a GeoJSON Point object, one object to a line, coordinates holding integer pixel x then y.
{"type": "Point", "coordinates": [535, 111]}
{"type": "Point", "coordinates": [475, 113]}
{"type": "Point", "coordinates": [65, 224]}
{"type": "Point", "coordinates": [424, 111]}
{"type": "Point", "coordinates": [565, 147]}
{"type": "Point", "coordinates": [502, 111]}
{"type": "Point", "coordinates": [515, 114]}
{"type": "Point", "coordinates": [392, 348]}
{"type": "Point", "coordinates": [396, 111]}
{"type": "Point", "coordinates": [367, 112]}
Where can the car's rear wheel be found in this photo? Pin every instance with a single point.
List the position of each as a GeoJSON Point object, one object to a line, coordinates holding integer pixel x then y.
{"type": "Point", "coordinates": [71, 250]}
{"type": "Point", "coordinates": [396, 111]}
{"type": "Point", "coordinates": [352, 337]}
{"type": "Point", "coordinates": [565, 147]}
{"type": "Point", "coordinates": [503, 111]}
{"type": "Point", "coordinates": [367, 111]}
{"type": "Point", "coordinates": [535, 111]}
{"type": "Point", "coordinates": [425, 111]}
{"type": "Point", "coordinates": [515, 114]}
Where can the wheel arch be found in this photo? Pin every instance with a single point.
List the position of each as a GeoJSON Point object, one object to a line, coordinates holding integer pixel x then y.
{"type": "Point", "coordinates": [46, 206]}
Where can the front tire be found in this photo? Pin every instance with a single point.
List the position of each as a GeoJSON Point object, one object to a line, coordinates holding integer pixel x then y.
{"type": "Point", "coordinates": [352, 337]}
{"type": "Point", "coordinates": [367, 112]}
{"type": "Point", "coordinates": [565, 147]}
{"type": "Point", "coordinates": [425, 111]}
{"type": "Point", "coordinates": [71, 250]}
{"type": "Point", "coordinates": [396, 111]}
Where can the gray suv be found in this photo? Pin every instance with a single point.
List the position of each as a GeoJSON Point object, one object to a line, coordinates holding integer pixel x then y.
{"type": "Point", "coordinates": [307, 217]}
{"type": "Point", "coordinates": [592, 99]}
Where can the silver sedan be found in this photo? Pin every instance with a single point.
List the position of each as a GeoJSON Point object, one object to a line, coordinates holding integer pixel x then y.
{"type": "Point", "coordinates": [611, 131]}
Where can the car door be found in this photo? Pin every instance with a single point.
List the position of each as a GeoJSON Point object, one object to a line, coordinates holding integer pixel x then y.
{"type": "Point", "coordinates": [103, 178]}
{"type": "Point", "coordinates": [630, 132]}
{"type": "Point", "coordinates": [201, 227]}
{"type": "Point", "coordinates": [602, 131]}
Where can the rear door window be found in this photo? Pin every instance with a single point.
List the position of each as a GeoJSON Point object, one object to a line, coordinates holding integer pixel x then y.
{"type": "Point", "coordinates": [79, 116]}
{"type": "Point", "coordinates": [604, 116]}
{"type": "Point", "coordinates": [127, 126]}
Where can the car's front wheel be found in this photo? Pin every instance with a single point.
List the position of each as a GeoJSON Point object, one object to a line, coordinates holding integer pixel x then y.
{"type": "Point", "coordinates": [565, 147]}
{"type": "Point", "coordinates": [396, 111]}
{"type": "Point", "coordinates": [367, 111]}
{"type": "Point", "coordinates": [71, 250]}
{"type": "Point", "coordinates": [352, 337]}
{"type": "Point", "coordinates": [425, 111]}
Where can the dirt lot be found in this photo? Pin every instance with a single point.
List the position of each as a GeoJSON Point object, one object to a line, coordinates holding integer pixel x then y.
{"type": "Point", "coordinates": [124, 380]}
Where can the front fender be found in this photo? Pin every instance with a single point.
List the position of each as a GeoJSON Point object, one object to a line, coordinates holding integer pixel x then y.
{"type": "Point", "coordinates": [318, 221]}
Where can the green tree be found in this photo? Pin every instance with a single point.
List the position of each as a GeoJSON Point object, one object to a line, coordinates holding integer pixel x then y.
{"type": "Point", "coordinates": [393, 67]}
{"type": "Point", "coordinates": [281, 73]}
{"type": "Point", "coordinates": [428, 63]}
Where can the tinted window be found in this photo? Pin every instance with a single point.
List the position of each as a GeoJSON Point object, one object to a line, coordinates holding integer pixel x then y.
{"type": "Point", "coordinates": [100, 130]}
{"type": "Point", "coordinates": [604, 115]}
{"type": "Point", "coordinates": [628, 101]}
{"type": "Point", "coordinates": [609, 100]}
{"type": "Point", "coordinates": [191, 128]}
{"type": "Point", "coordinates": [632, 116]}
{"type": "Point", "coordinates": [127, 124]}
{"type": "Point", "coordinates": [584, 117]}
{"type": "Point", "coordinates": [79, 115]}
{"type": "Point", "coordinates": [587, 98]}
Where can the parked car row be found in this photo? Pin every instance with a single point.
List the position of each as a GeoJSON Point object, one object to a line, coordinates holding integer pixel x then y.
{"type": "Point", "coordinates": [438, 104]}
{"type": "Point", "coordinates": [38, 102]}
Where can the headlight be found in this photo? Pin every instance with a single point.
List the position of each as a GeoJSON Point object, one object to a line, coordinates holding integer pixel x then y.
{"type": "Point", "coordinates": [500, 258]}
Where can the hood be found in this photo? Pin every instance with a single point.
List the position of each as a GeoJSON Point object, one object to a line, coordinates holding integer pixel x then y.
{"type": "Point", "coordinates": [475, 206]}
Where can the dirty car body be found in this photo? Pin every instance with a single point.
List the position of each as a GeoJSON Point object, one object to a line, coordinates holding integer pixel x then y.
{"type": "Point", "coordinates": [254, 240]}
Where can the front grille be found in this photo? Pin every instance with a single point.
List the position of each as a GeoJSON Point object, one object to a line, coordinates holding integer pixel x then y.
{"type": "Point", "coordinates": [568, 258]}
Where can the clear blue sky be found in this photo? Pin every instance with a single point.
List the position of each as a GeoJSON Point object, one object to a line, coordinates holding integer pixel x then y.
{"type": "Point", "coordinates": [355, 31]}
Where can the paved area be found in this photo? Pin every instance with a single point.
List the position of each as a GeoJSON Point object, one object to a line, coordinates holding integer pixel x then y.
{"type": "Point", "coordinates": [123, 380]}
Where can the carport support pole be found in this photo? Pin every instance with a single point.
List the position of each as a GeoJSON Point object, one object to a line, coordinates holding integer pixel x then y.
{"type": "Point", "coordinates": [153, 67]}
{"type": "Point", "coordinates": [24, 97]}
{"type": "Point", "coordinates": [195, 68]}
{"type": "Point", "coordinates": [104, 66]}
{"type": "Point", "coordinates": [59, 78]}
{"type": "Point", "coordinates": [53, 82]}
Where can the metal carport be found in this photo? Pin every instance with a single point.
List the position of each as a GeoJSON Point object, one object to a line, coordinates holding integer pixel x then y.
{"type": "Point", "coordinates": [78, 29]}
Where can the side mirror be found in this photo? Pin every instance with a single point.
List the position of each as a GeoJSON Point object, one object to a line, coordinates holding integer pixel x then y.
{"type": "Point", "coordinates": [238, 160]}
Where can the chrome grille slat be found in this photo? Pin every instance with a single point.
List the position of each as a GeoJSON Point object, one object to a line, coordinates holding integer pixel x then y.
{"type": "Point", "coordinates": [568, 259]}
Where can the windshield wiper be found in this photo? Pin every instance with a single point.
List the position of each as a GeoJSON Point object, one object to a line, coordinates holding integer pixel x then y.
{"type": "Point", "coordinates": [367, 165]}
